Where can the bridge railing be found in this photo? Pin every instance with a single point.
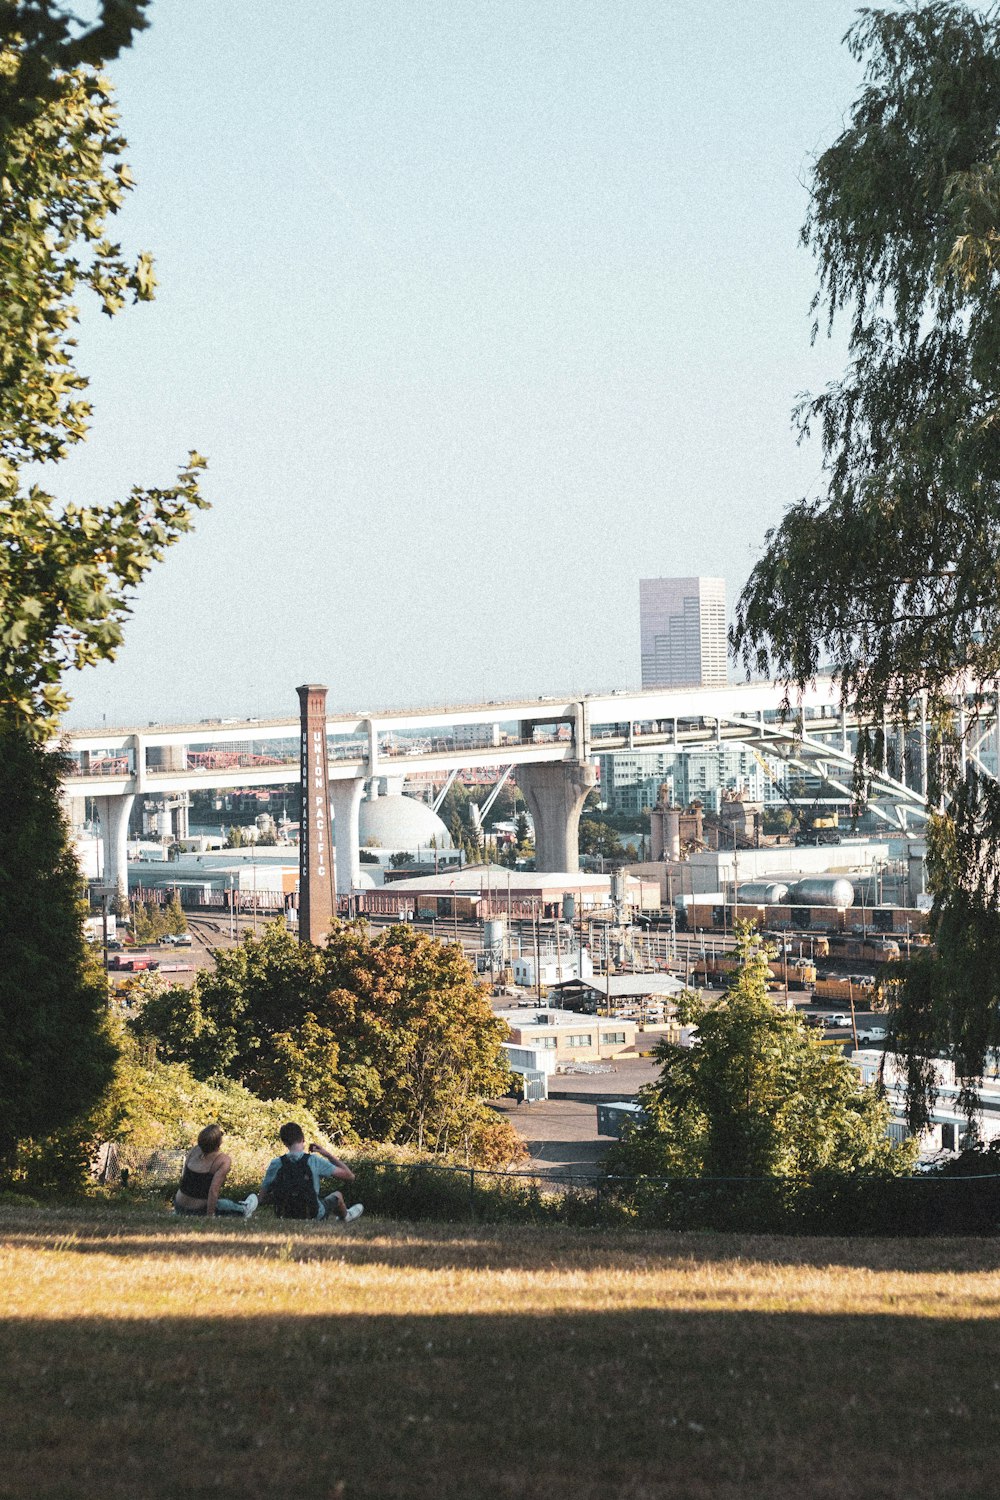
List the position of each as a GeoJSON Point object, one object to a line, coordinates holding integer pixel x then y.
{"type": "Point", "coordinates": [105, 765]}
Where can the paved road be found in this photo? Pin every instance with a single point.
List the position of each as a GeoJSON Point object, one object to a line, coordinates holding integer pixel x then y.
{"type": "Point", "coordinates": [560, 1134]}
{"type": "Point", "coordinates": [561, 1131]}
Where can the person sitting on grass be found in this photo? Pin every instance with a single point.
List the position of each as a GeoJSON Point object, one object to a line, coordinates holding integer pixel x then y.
{"type": "Point", "coordinates": [205, 1170]}
{"type": "Point", "coordinates": [291, 1182]}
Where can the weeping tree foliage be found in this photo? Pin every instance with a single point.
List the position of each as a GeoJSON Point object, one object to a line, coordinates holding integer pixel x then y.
{"type": "Point", "coordinates": [949, 1001]}
{"type": "Point", "coordinates": [891, 574]}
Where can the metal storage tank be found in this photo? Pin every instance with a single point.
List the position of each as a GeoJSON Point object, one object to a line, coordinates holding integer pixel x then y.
{"type": "Point", "coordinates": [763, 893]}
{"type": "Point", "coordinates": [494, 932]}
{"type": "Point", "coordinates": [396, 822]}
{"type": "Point", "coordinates": [822, 890]}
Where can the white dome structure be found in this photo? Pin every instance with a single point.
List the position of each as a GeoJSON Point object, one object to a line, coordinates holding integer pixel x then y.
{"type": "Point", "coordinates": [396, 822]}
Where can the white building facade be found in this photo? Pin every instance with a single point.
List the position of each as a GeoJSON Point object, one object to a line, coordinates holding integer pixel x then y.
{"type": "Point", "coordinates": [631, 780]}
{"type": "Point", "coordinates": [948, 1128]}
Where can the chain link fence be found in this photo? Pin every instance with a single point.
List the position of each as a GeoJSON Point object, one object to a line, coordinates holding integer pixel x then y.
{"type": "Point", "coordinates": [829, 1203]}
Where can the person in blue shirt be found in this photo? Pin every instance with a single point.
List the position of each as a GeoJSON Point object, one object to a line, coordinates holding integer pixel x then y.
{"type": "Point", "coordinates": [294, 1191]}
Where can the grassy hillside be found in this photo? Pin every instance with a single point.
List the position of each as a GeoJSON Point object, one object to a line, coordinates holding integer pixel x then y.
{"type": "Point", "coordinates": [148, 1357]}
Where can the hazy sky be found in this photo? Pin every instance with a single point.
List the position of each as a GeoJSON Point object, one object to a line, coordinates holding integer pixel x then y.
{"type": "Point", "coordinates": [480, 312]}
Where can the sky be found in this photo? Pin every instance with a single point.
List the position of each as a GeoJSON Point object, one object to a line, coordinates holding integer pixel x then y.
{"type": "Point", "coordinates": [481, 310]}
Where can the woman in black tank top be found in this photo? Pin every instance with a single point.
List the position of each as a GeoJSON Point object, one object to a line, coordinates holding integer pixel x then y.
{"type": "Point", "coordinates": [205, 1170]}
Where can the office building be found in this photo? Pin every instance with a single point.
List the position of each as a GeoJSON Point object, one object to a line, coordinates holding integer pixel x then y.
{"type": "Point", "coordinates": [682, 625]}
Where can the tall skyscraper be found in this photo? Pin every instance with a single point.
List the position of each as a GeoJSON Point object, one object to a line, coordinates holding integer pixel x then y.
{"type": "Point", "coordinates": [682, 623]}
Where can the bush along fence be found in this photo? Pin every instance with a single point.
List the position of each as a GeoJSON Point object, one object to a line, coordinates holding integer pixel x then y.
{"type": "Point", "coordinates": [831, 1203]}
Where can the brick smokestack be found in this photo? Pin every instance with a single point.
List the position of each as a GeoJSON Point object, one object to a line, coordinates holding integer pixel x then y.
{"type": "Point", "coordinates": [316, 898]}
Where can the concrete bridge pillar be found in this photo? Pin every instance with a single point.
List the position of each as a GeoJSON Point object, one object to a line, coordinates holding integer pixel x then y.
{"type": "Point", "coordinates": [555, 795]}
{"type": "Point", "coordinates": [345, 800]}
{"type": "Point", "coordinates": [182, 820]}
{"type": "Point", "coordinates": [166, 758]}
{"type": "Point", "coordinates": [114, 813]}
{"type": "Point", "coordinates": [175, 808]}
{"type": "Point", "coordinates": [74, 808]}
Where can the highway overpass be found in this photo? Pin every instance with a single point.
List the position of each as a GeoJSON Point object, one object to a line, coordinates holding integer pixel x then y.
{"type": "Point", "coordinates": [551, 742]}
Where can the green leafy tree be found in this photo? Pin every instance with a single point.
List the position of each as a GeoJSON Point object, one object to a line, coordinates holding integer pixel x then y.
{"type": "Point", "coordinates": [52, 39]}
{"type": "Point", "coordinates": [420, 1045]}
{"type": "Point", "coordinates": [758, 1096]}
{"type": "Point", "coordinates": [55, 1053]}
{"type": "Point", "coordinates": [144, 925]}
{"type": "Point", "coordinates": [948, 1000]}
{"type": "Point", "coordinates": [455, 805]}
{"type": "Point", "coordinates": [456, 809]}
{"type": "Point", "coordinates": [225, 1022]}
{"type": "Point", "coordinates": [234, 838]}
{"type": "Point", "coordinates": [150, 922]}
{"type": "Point", "coordinates": [598, 838]}
{"type": "Point", "coordinates": [387, 1037]}
{"type": "Point", "coordinates": [67, 571]}
{"type": "Point", "coordinates": [891, 573]}
{"type": "Point", "coordinates": [505, 805]}
{"type": "Point", "coordinates": [472, 851]}
{"type": "Point", "coordinates": [507, 856]}
{"type": "Point", "coordinates": [174, 916]}
{"type": "Point", "coordinates": [777, 820]}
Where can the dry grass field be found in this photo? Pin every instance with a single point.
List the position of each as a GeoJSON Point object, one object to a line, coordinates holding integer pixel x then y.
{"type": "Point", "coordinates": [148, 1357]}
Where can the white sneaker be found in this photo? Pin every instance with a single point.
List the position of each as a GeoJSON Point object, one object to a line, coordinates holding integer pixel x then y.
{"type": "Point", "coordinates": [250, 1205]}
{"type": "Point", "coordinates": [353, 1213]}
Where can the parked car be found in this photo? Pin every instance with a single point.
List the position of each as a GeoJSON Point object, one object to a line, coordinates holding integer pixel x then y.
{"type": "Point", "coordinates": [839, 1019]}
{"type": "Point", "coordinates": [873, 1034]}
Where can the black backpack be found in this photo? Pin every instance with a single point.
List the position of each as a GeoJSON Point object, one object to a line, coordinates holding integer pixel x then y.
{"type": "Point", "coordinates": [293, 1190]}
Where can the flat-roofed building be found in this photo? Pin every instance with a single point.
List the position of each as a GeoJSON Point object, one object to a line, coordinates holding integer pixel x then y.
{"type": "Point", "coordinates": [568, 1035]}
{"type": "Point", "coordinates": [638, 997]}
{"type": "Point", "coordinates": [682, 624]}
{"type": "Point", "coordinates": [947, 1128]}
{"type": "Point", "coordinates": [477, 891]}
